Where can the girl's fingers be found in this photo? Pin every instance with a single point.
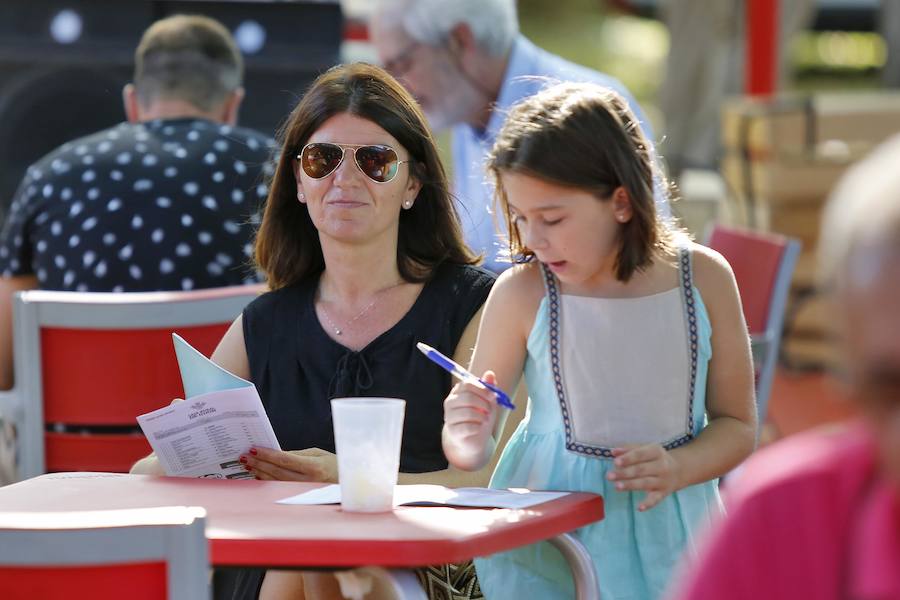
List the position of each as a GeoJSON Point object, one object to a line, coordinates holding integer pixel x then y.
{"type": "Point", "coordinates": [463, 431]}
{"type": "Point", "coordinates": [651, 500]}
{"type": "Point", "coordinates": [641, 483]}
{"type": "Point", "coordinates": [632, 455]}
{"type": "Point", "coordinates": [639, 470]}
{"type": "Point", "coordinates": [469, 401]}
{"type": "Point", "coordinates": [465, 415]}
{"type": "Point", "coordinates": [623, 449]}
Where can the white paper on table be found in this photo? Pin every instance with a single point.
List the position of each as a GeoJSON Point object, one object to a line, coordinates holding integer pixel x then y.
{"type": "Point", "coordinates": [437, 495]}
{"type": "Point", "coordinates": [221, 418]}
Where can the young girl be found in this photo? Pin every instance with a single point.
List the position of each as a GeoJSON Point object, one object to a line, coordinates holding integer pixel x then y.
{"type": "Point", "coordinates": [632, 342]}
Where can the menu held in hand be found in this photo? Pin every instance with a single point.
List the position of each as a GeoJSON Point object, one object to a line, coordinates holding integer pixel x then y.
{"type": "Point", "coordinates": [221, 418]}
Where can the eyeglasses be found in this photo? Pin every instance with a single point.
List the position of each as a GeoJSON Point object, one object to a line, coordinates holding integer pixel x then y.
{"type": "Point", "coordinates": [402, 61]}
{"type": "Point", "coordinates": [378, 163]}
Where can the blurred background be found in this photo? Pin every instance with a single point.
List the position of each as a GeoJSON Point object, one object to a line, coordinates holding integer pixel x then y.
{"type": "Point", "coordinates": [770, 160]}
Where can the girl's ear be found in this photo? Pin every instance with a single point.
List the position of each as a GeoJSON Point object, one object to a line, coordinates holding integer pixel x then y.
{"type": "Point", "coordinates": [621, 204]}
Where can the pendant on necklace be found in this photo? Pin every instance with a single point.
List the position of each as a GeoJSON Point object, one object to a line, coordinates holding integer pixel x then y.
{"type": "Point", "coordinates": [337, 332]}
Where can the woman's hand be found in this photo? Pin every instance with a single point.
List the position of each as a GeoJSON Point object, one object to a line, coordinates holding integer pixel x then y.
{"type": "Point", "coordinates": [311, 464]}
{"type": "Point", "coordinates": [649, 468]}
{"type": "Point", "coordinates": [469, 419]}
{"type": "Point", "coordinates": [150, 465]}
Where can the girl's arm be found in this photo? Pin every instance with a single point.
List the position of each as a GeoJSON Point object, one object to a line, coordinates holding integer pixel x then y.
{"type": "Point", "coordinates": [453, 477]}
{"type": "Point", "coordinates": [730, 435]}
{"type": "Point", "coordinates": [473, 421]}
{"type": "Point", "coordinates": [231, 355]}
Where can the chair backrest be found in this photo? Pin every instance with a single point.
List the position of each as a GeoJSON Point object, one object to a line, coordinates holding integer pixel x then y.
{"type": "Point", "coordinates": [763, 264]}
{"type": "Point", "coordinates": [86, 364]}
{"type": "Point", "coordinates": [142, 554]}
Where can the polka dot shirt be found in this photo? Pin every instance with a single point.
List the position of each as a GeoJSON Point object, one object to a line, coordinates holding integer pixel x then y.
{"type": "Point", "coordinates": [162, 205]}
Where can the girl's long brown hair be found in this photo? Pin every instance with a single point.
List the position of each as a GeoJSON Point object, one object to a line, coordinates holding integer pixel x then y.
{"type": "Point", "coordinates": [584, 136]}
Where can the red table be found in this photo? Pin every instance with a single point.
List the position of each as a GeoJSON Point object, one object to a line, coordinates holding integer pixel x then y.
{"type": "Point", "coordinates": [246, 528]}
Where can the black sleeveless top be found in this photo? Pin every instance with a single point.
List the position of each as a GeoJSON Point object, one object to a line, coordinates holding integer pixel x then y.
{"type": "Point", "coordinates": [298, 368]}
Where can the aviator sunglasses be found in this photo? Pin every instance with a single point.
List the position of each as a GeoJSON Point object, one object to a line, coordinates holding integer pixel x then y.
{"type": "Point", "coordinates": [378, 163]}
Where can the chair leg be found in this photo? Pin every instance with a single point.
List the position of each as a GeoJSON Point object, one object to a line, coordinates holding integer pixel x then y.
{"type": "Point", "coordinates": [587, 587]}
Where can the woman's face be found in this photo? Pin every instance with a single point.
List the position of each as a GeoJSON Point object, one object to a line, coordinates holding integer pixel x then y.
{"type": "Point", "coordinates": [347, 205]}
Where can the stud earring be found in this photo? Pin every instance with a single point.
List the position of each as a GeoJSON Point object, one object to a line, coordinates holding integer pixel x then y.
{"type": "Point", "coordinates": [301, 197]}
{"type": "Point", "coordinates": [407, 204]}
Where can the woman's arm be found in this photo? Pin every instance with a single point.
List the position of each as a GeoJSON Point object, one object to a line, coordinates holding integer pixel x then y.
{"type": "Point", "coordinates": [730, 435]}
{"type": "Point", "coordinates": [473, 422]}
{"type": "Point", "coordinates": [231, 355]}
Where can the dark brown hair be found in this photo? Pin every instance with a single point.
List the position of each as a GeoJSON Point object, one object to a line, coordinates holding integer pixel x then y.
{"type": "Point", "coordinates": [189, 57]}
{"type": "Point", "coordinates": [584, 136]}
{"type": "Point", "coordinates": [287, 245]}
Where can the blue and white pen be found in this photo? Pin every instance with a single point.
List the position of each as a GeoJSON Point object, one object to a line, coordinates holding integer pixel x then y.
{"type": "Point", "coordinates": [464, 375]}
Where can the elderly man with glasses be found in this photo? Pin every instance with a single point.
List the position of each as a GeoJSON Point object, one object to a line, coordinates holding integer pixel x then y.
{"type": "Point", "coordinates": [467, 64]}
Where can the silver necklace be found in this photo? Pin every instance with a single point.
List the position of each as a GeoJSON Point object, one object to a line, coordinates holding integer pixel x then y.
{"type": "Point", "coordinates": [367, 308]}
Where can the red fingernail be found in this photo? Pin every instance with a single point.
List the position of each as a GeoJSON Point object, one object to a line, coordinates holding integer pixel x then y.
{"type": "Point", "coordinates": [243, 460]}
{"type": "Point", "coordinates": [253, 451]}
{"type": "Point", "coordinates": [248, 468]}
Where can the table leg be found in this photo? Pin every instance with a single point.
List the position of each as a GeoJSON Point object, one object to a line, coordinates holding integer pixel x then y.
{"type": "Point", "coordinates": [586, 585]}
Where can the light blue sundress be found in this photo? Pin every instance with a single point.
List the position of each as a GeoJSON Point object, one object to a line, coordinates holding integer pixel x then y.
{"type": "Point", "coordinates": [602, 372]}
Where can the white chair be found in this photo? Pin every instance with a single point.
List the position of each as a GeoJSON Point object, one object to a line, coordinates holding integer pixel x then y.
{"type": "Point", "coordinates": [145, 554]}
{"type": "Point", "coordinates": [86, 364]}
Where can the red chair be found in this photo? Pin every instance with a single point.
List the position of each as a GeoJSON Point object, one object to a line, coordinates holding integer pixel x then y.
{"type": "Point", "coordinates": [86, 364]}
{"type": "Point", "coordinates": [763, 265]}
{"type": "Point", "coordinates": [141, 554]}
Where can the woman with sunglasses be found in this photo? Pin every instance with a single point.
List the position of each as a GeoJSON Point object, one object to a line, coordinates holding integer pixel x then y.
{"type": "Point", "coordinates": [363, 252]}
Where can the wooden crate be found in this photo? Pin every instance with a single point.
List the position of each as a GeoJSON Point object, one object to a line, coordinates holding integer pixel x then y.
{"type": "Point", "coordinates": [782, 159]}
{"type": "Point", "coordinates": [766, 127]}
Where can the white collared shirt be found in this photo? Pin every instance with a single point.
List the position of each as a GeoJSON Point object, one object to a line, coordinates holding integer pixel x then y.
{"type": "Point", "coordinates": [530, 69]}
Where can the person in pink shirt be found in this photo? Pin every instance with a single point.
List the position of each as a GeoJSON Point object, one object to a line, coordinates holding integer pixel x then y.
{"type": "Point", "coordinates": [818, 515]}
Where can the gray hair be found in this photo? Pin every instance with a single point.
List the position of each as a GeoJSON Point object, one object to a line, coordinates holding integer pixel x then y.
{"type": "Point", "coordinates": [493, 23]}
{"type": "Point", "coordinates": [863, 212]}
{"type": "Point", "coordinates": [187, 57]}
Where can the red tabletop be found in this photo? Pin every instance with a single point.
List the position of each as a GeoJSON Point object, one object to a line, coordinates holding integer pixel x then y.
{"type": "Point", "coordinates": [246, 528]}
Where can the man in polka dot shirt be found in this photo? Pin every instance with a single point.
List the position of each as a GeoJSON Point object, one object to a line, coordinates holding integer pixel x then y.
{"type": "Point", "coordinates": [165, 201]}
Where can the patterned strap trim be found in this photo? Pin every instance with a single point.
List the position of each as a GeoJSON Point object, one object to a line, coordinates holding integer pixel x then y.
{"type": "Point", "coordinates": [689, 304]}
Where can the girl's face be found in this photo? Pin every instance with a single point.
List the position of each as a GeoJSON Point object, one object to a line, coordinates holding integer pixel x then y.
{"type": "Point", "coordinates": [346, 204]}
{"type": "Point", "coordinates": [572, 231]}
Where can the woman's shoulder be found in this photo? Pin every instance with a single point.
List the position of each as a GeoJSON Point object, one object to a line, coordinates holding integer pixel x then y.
{"type": "Point", "coordinates": [455, 281]}
{"type": "Point", "coordinates": [272, 301]}
{"type": "Point", "coordinates": [469, 274]}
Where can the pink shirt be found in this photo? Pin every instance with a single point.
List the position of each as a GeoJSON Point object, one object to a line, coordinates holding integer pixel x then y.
{"type": "Point", "coordinates": [809, 518]}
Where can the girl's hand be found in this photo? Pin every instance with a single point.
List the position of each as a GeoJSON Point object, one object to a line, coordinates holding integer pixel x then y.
{"type": "Point", "coordinates": [649, 468]}
{"type": "Point", "coordinates": [311, 464]}
{"type": "Point", "coordinates": [469, 416]}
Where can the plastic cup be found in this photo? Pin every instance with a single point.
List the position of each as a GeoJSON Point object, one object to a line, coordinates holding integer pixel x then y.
{"type": "Point", "coordinates": [367, 436]}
